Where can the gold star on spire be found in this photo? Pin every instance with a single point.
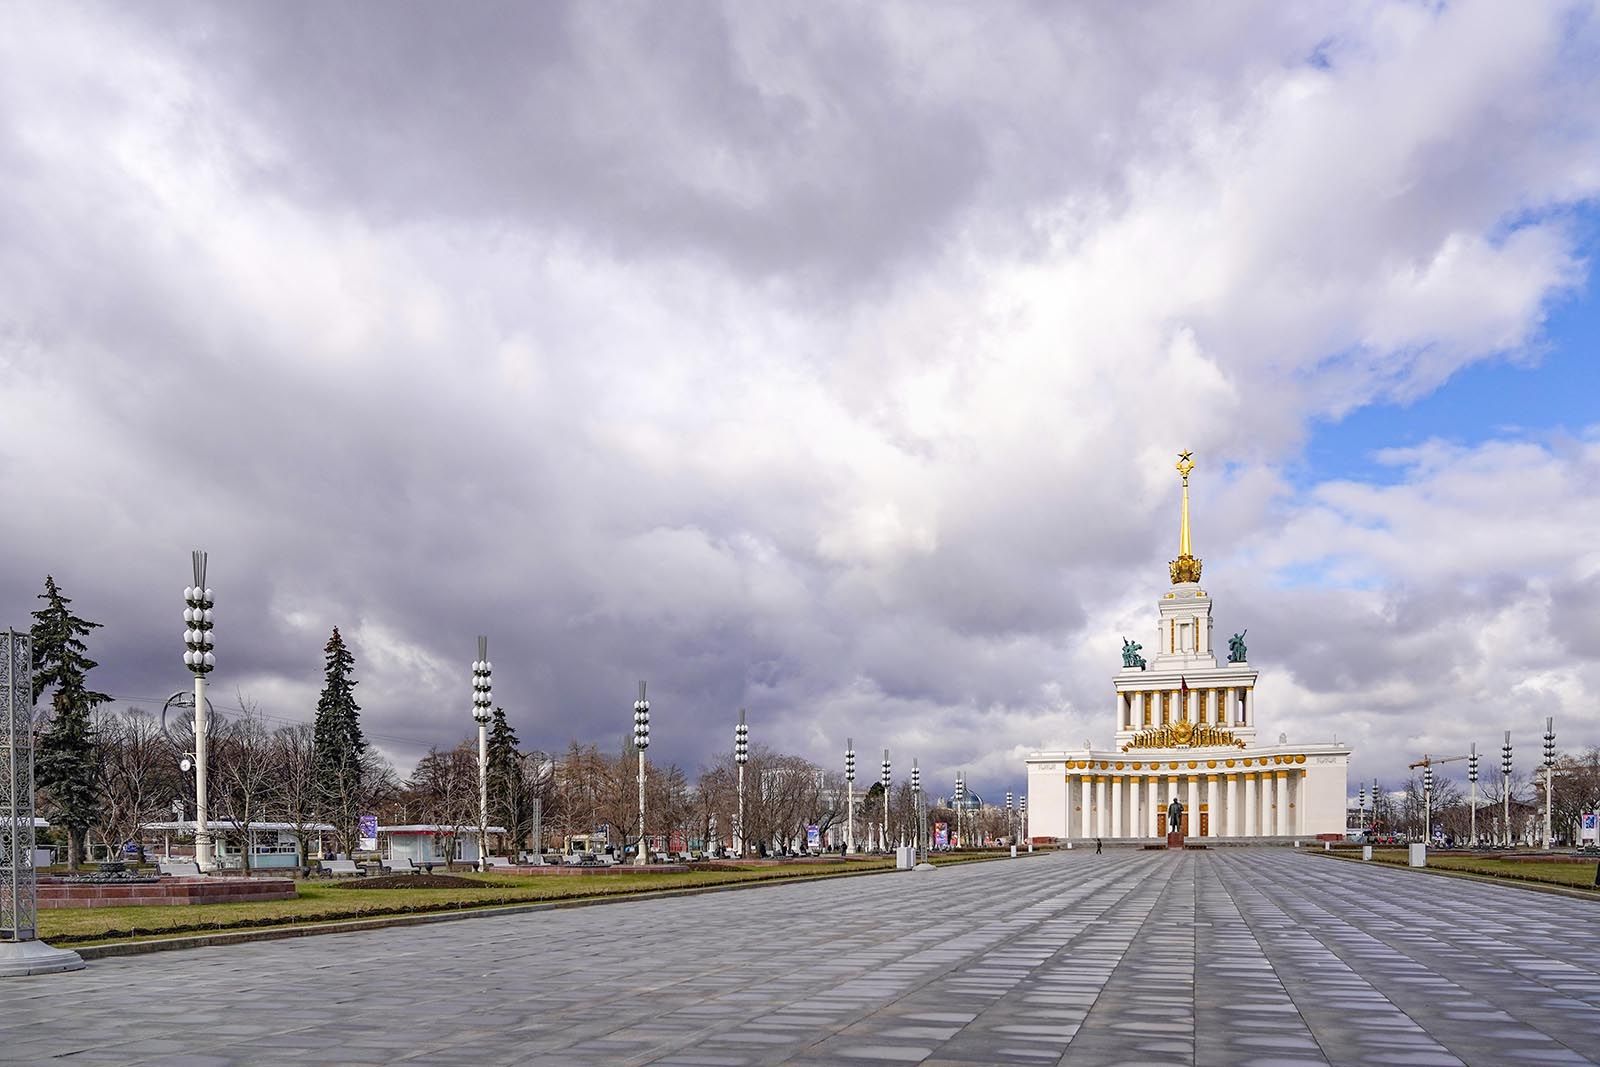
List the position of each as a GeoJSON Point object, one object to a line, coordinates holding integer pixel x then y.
{"type": "Point", "coordinates": [1186, 568]}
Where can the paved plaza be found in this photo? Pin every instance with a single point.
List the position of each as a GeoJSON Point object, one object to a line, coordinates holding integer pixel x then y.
{"type": "Point", "coordinates": [1235, 956]}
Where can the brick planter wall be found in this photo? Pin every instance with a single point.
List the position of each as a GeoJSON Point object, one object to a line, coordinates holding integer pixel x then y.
{"type": "Point", "coordinates": [173, 891]}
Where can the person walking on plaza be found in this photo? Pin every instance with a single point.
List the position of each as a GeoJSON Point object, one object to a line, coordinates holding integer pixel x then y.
{"type": "Point", "coordinates": [1097, 846]}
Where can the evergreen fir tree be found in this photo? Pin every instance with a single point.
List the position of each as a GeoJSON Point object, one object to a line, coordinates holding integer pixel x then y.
{"type": "Point", "coordinates": [340, 745]}
{"type": "Point", "coordinates": [504, 807]}
{"type": "Point", "coordinates": [66, 762]}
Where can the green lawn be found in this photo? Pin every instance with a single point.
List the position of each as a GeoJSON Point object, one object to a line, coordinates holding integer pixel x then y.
{"type": "Point", "coordinates": [320, 901]}
{"type": "Point", "coordinates": [1580, 875]}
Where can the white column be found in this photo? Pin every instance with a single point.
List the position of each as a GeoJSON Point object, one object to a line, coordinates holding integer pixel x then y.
{"type": "Point", "coordinates": [1213, 807]}
{"type": "Point", "coordinates": [1099, 805]}
{"type": "Point", "coordinates": [1087, 821]}
{"type": "Point", "coordinates": [1141, 804]}
{"type": "Point", "coordinates": [1250, 800]}
{"type": "Point", "coordinates": [1234, 802]}
{"type": "Point", "coordinates": [1194, 804]}
{"type": "Point", "coordinates": [1299, 778]}
{"type": "Point", "coordinates": [1116, 807]}
{"type": "Point", "coordinates": [1250, 706]}
{"type": "Point", "coordinates": [1281, 780]}
{"type": "Point", "coordinates": [1224, 707]}
{"type": "Point", "coordinates": [1077, 797]}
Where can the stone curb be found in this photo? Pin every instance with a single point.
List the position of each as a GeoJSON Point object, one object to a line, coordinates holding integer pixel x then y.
{"type": "Point", "coordinates": [341, 926]}
{"type": "Point", "coordinates": [1591, 895]}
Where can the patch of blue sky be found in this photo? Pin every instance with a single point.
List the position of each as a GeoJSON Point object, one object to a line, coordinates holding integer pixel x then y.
{"type": "Point", "coordinates": [1549, 395]}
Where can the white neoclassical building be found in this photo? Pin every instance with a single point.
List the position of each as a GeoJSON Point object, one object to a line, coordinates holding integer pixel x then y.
{"type": "Point", "coordinates": [1186, 728]}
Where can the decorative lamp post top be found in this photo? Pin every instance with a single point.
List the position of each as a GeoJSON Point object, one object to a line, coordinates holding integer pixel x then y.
{"type": "Point", "coordinates": [197, 620]}
{"type": "Point", "coordinates": [482, 689]}
{"type": "Point", "coordinates": [641, 721]}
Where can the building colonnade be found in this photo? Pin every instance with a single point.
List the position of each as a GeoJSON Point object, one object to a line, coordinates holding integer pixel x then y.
{"type": "Point", "coordinates": [1255, 802]}
{"type": "Point", "coordinates": [1227, 705]}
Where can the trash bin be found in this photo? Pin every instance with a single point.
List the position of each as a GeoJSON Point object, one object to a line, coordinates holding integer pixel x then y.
{"type": "Point", "coordinates": [1419, 855]}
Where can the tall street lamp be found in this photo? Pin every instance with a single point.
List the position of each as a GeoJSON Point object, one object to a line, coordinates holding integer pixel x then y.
{"type": "Point", "coordinates": [886, 781]}
{"type": "Point", "coordinates": [960, 802]}
{"type": "Point", "coordinates": [482, 702]}
{"type": "Point", "coordinates": [1472, 782]}
{"type": "Point", "coordinates": [1008, 818]}
{"type": "Point", "coordinates": [1022, 818]}
{"type": "Point", "coordinates": [641, 741]}
{"type": "Point", "coordinates": [1361, 810]}
{"type": "Point", "coordinates": [741, 755]}
{"type": "Point", "coordinates": [850, 795]}
{"type": "Point", "coordinates": [1549, 773]}
{"type": "Point", "coordinates": [1427, 802]}
{"type": "Point", "coordinates": [1505, 782]}
{"type": "Point", "coordinates": [916, 804]}
{"type": "Point", "coordinates": [200, 660]}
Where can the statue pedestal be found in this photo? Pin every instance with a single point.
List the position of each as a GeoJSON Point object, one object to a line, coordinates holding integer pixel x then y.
{"type": "Point", "coordinates": [1174, 840]}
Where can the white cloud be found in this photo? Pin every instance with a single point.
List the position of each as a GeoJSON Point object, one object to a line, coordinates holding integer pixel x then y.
{"type": "Point", "coordinates": [831, 368]}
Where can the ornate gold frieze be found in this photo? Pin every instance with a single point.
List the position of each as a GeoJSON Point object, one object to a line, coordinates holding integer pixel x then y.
{"type": "Point", "coordinates": [1183, 732]}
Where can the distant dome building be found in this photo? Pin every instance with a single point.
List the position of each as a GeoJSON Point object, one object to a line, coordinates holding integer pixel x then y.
{"type": "Point", "coordinates": [1186, 729]}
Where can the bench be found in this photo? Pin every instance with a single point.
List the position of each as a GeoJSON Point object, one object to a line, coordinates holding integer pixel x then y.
{"type": "Point", "coordinates": [180, 868]}
{"type": "Point", "coordinates": [336, 868]}
{"type": "Point", "coordinates": [498, 861]}
{"type": "Point", "coordinates": [400, 866]}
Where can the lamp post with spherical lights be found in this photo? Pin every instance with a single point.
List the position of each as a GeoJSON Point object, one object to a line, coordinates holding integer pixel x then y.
{"type": "Point", "coordinates": [916, 807]}
{"type": "Point", "coordinates": [482, 704]}
{"type": "Point", "coordinates": [960, 797]}
{"type": "Point", "coordinates": [1549, 773]}
{"type": "Point", "coordinates": [1505, 782]}
{"type": "Point", "coordinates": [1011, 840]}
{"type": "Point", "coordinates": [1472, 785]}
{"type": "Point", "coordinates": [1427, 802]}
{"type": "Point", "coordinates": [200, 660]}
{"type": "Point", "coordinates": [741, 755]}
{"type": "Point", "coordinates": [886, 781]}
{"type": "Point", "coordinates": [1022, 819]}
{"type": "Point", "coordinates": [850, 795]}
{"type": "Point", "coordinates": [641, 741]}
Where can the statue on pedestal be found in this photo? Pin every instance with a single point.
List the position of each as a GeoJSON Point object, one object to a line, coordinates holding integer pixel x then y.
{"type": "Point", "coordinates": [1236, 650]}
{"type": "Point", "coordinates": [1174, 816]}
{"type": "Point", "coordinates": [1130, 654]}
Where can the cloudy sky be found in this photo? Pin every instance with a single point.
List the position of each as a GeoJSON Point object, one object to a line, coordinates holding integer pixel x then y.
{"type": "Point", "coordinates": [826, 359]}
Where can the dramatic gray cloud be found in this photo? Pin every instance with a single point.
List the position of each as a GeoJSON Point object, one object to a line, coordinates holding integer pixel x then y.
{"type": "Point", "coordinates": [822, 359]}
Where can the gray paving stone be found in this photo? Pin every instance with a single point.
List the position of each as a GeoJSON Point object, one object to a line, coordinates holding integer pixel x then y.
{"type": "Point", "coordinates": [1257, 957]}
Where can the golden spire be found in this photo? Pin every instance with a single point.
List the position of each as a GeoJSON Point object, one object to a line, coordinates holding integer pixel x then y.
{"type": "Point", "coordinates": [1186, 568]}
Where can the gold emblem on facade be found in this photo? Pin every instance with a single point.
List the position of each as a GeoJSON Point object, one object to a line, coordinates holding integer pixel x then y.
{"type": "Point", "coordinates": [1184, 733]}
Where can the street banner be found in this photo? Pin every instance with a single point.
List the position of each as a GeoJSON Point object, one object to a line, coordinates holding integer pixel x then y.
{"type": "Point", "coordinates": [813, 836]}
{"type": "Point", "coordinates": [941, 835]}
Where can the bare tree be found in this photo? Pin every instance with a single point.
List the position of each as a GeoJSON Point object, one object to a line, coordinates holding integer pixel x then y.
{"type": "Point", "coordinates": [296, 794]}
{"type": "Point", "coordinates": [139, 775]}
{"type": "Point", "coordinates": [445, 789]}
{"type": "Point", "coordinates": [241, 773]}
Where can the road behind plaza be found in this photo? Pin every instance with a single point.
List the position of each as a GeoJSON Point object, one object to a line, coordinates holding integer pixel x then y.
{"type": "Point", "coordinates": [1235, 956]}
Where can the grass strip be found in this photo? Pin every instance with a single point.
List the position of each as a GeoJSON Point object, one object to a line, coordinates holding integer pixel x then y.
{"type": "Point", "coordinates": [1568, 875]}
{"type": "Point", "coordinates": [327, 902]}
